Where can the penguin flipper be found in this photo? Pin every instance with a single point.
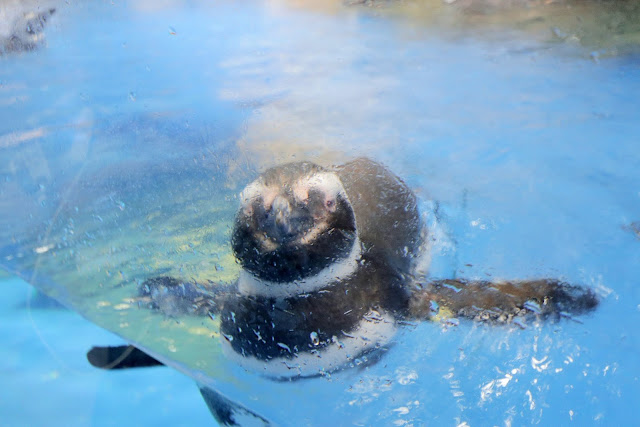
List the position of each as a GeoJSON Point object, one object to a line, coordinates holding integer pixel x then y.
{"type": "Point", "coordinates": [174, 297]}
{"type": "Point", "coordinates": [171, 297]}
{"type": "Point", "coordinates": [501, 302]}
{"type": "Point", "coordinates": [120, 357]}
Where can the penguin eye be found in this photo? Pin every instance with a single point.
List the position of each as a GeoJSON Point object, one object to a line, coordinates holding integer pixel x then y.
{"type": "Point", "coordinates": [331, 204]}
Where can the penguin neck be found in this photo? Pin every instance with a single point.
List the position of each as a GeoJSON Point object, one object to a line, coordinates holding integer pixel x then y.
{"type": "Point", "coordinates": [338, 271]}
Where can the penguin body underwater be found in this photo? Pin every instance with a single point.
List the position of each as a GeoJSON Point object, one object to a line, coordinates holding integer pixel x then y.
{"type": "Point", "coordinates": [329, 268]}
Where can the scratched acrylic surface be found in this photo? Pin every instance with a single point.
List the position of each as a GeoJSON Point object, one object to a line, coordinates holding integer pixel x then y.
{"type": "Point", "coordinates": [127, 132]}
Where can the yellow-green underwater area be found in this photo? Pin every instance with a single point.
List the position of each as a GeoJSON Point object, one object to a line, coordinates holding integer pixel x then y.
{"type": "Point", "coordinates": [95, 257]}
{"type": "Point", "coordinates": [603, 26]}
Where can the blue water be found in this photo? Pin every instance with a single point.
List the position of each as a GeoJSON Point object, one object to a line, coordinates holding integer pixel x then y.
{"type": "Point", "coordinates": [48, 381]}
{"type": "Point", "coordinates": [530, 147]}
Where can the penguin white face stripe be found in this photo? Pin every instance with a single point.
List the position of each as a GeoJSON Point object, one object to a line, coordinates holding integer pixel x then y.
{"type": "Point", "coordinates": [250, 285]}
{"type": "Point", "coordinates": [327, 181]}
{"type": "Point", "coordinates": [252, 191]}
{"type": "Point", "coordinates": [255, 190]}
{"type": "Point", "coordinates": [368, 335]}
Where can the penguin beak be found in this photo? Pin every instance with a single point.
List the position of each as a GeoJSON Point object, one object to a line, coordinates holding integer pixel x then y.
{"type": "Point", "coordinates": [285, 223]}
{"type": "Point", "coordinates": [281, 212]}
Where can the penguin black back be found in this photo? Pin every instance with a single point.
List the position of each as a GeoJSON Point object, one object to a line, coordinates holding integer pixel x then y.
{"type": "Point", "coordinates": [387, 215]}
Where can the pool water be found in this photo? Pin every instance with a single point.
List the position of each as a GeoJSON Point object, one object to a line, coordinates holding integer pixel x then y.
{"type": "Point", "coordinates": [47, 380]}
{"type": "Point", "coordinates": [127, 135]}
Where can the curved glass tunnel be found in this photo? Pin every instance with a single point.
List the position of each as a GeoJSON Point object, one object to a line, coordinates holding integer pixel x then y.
{"type": "Point", "coordinates": [129, 129]}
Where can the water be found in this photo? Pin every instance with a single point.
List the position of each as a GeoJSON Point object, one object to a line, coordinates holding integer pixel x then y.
{"type": "Point", "coordinates": [126, 139]}
{"type": "Point", "coordinates": [47, 380]}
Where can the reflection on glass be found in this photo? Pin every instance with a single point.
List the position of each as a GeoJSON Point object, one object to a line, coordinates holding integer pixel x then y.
{"type": "Point", "coordinates": [153, 179]}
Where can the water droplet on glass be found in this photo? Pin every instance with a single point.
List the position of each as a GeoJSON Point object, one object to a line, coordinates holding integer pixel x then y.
{"type": "Point", "coordinates": [403, 410]}
{"type": "Point", "coordinates": [335, 340]}
{"type": "Point", "coordinates": [557, 32]}
{"type": "Point", "coordinates": [314, 338]}
{"type": "Point", "coordinates": [284, 346]}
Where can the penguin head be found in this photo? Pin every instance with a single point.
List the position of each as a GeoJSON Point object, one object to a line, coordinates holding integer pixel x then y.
{"type": "Point", "coordinates": [294, 221]}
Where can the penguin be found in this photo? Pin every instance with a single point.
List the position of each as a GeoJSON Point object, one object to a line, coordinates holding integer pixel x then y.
{"type": "Point", "coordinates": [326, 255]}
{"type": "Point", "coordinates": [23, 29]}
{"type": "Point", "coordinates": [331, 262]}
